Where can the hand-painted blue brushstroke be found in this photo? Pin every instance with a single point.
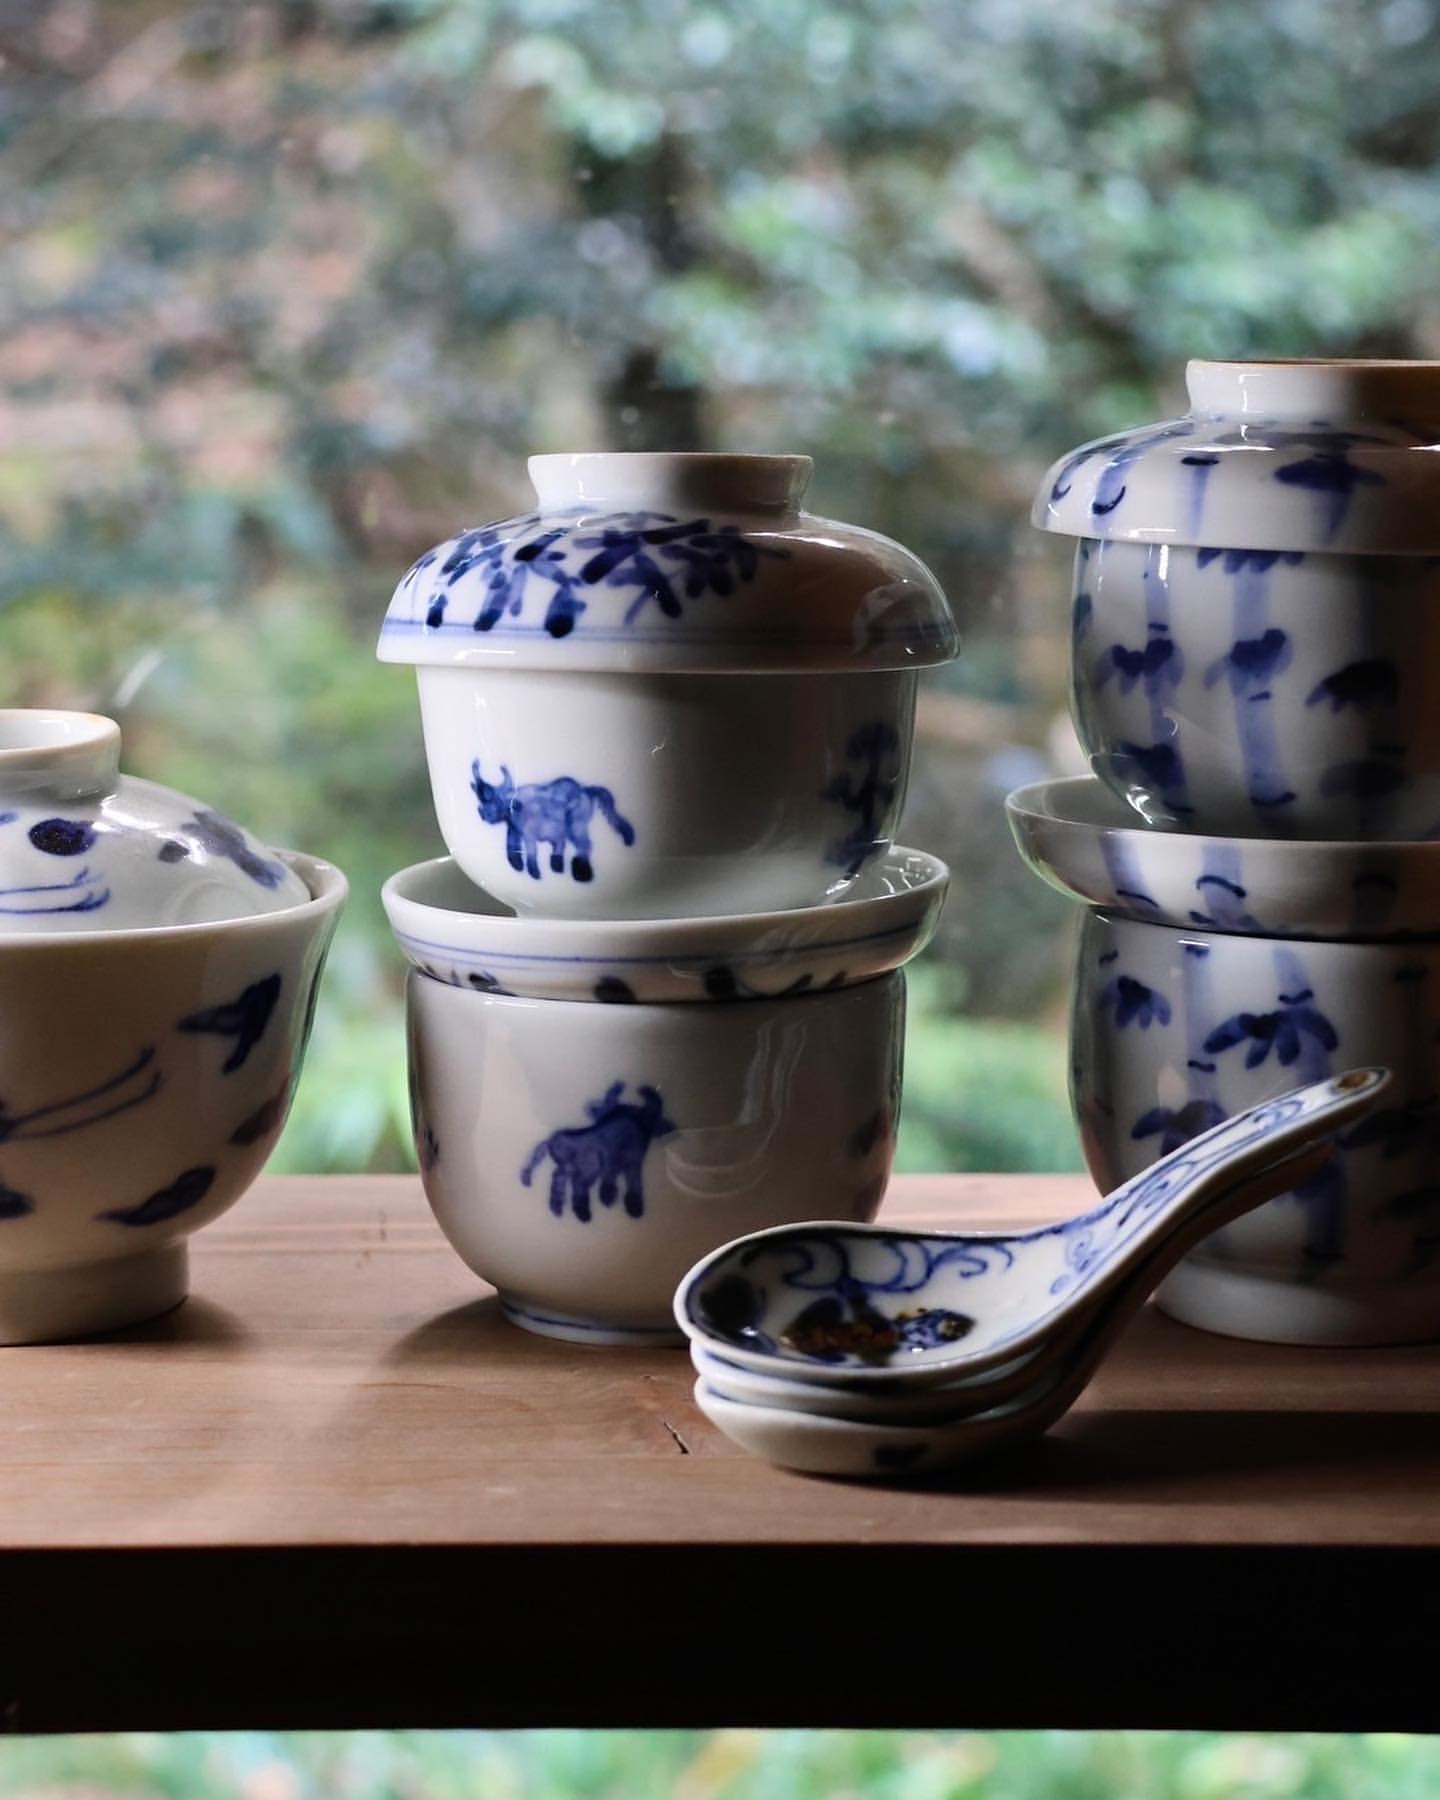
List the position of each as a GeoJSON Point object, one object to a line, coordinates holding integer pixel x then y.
{"type": "Point", "coordinates": [613, 990]}
{"type": "Point", "coordinates": [870, 794]}
{"type": "Point", "coordinates": [1259, 653]}
{"type": "Point", "coordinates": [186, 1191]}
{"type": "Point", "coordinates": [138, 1082]}
{"type": "Point", "coordinates": [83, 892]}
{"type": "Point", "coordinates": [1233, 561]}
{"type": "Point", "coordinates": [1221, 893]}
{"type": "Point", "coordinates": [1331, 477]}
{"type": "Point", "coordinates": [1123, 870]}
{"type": "Point", "coordinates": [244, 1019]}
{"type": "Point", "coordinates": [62, 837]}
{"type": "Point", "coordinates": [554, 813]}
{"type": "Point", "coordinates": [1285, 1031]}
{"type": "Point", "coordinates": [1199, 463]}
{"type": "Point", "coordinates": [1158, 666]}
{"type": "Point", "coordinates": [1176, 1125]}
{"type": "Point", "coordinates": [604, 1159]}
{"type": "Point", "coordinates": [220, 836]}
{"type": "Point", "coordinates": [14, 1204]}
{"type": "Point", "coordinates": [8, 818]}
{"type": "Point", "coordinates": [1120, 452]}
{"type": "Point", "coordinates": [266, 1119]}
{"type": "Point", "coordinates": [1082, 618]}
{"type": "Point", "coordinates": [1366, 685]}
{"type": "Point", "coordinates": [1132, 1002]}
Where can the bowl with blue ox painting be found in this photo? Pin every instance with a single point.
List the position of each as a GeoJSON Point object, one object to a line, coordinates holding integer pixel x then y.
{"type": "Point", "coordinates": [581, 1156]}
{"type": "Point", "coordinates": [1255, 613]}
{"type": "Point", "coordinates": [158, 975]}
{"type": "Point", "coordinates": [1175, 1029]}
{"type": "Point", "coordinates": [665, 691]}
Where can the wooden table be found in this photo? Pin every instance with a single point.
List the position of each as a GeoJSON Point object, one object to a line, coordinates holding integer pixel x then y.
{"type": "Point", "coordinates": [336, 1488]}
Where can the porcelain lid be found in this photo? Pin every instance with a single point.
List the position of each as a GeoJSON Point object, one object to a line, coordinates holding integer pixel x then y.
{"type": "Point", "coordinates": [1329, 456]}
{"type": "Point", "coordinates": [669, 562]}
{"type": "Point", "coordinates": [83, 848]}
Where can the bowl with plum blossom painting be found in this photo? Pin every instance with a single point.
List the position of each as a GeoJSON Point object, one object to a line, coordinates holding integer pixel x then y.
{"type": "Point", "coordinates": [145, 1073]}
{"type": "Point", "coordinates": [1174, 1030]}
{"type": "Point", "coordinates": [1255, 618]}
{"type": "Point", "coordinates": [666, 692]}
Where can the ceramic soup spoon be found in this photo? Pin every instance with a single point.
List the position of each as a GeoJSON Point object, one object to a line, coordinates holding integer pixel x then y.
{"type": "Point", "coordinates": [867, 1309]}
{"type": "Point", "coordinates": [1063, 1351]}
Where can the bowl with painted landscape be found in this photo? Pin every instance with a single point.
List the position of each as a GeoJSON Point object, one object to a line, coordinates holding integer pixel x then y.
{"type": "Point", "coordinates": [666, 691]}
{"type": "Point", "coordinates": [1256, 605]}
{"type": "Point", "coordinates": [581, 1157]}
{"type": "Point", "coordinates": [158, 974]}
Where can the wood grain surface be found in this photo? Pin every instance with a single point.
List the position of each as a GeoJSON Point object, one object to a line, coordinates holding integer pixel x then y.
{"type": "Point", "coordinates": [336, 1487]}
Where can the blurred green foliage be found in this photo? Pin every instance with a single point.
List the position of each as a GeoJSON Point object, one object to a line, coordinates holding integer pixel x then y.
{"type": "Point", "coordinates": [288, 288]}
{"type": "Point", "coordinates": [722, 1765]}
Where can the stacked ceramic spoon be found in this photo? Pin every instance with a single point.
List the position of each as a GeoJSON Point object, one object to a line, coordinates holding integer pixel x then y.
{"type": "Point", "coordinates": [859, 1351]}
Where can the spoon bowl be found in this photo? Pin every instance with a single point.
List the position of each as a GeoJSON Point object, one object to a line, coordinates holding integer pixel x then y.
{"type": "Point", "coordinates": [877, 1311]}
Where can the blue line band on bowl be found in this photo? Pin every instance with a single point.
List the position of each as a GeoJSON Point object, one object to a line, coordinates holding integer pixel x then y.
{"type": "Point", "coordinates": [702, 959]}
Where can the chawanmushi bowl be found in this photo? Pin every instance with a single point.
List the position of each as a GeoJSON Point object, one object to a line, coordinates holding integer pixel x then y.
{"type": "Point", "coordinates": [1176, 1028]}
{"type": "Point", "coordinates": [1256, 606]}
{"type": "Point", "coordinates": [666, 691]}
{"type": "Point", "coordinates": [581, 1157]}
{"type": "Point", "coordinates": [158, 975]}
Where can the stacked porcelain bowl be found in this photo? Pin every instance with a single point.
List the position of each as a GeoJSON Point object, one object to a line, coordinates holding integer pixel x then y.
{"type": "Point", "coordinates": [1256, 681]}
{"type": "Point", "coordinates": [654, 1000]}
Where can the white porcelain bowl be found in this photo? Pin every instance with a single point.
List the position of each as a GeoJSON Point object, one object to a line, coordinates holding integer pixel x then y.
{"type": "Point", "coordinates": [667, 692]}
{"type": "Point", "coordinates": [582, 1157]}
{"type": "Point", "coordinates": [1261, 692]}
{"type": "Point", "coordinates": [1082, 839]}
{"type": "Point", "coordinates": [453, 931]}
{"type": "Point", "coordinates": [1174, 1029]}
{"type": "Point", "coordinates": [1256, 618]}
{"type": "Point", "coordinates": [145, 1075]}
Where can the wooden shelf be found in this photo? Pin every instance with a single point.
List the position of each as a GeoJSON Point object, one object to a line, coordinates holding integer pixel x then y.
{"type": "Point", "coordinates": [336, 1488]}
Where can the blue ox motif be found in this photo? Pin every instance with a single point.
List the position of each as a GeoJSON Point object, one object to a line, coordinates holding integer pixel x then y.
{"type": "Point", "coordinates": [604, 1157]}
{"type": "Point", "coordinates": [557, 813]}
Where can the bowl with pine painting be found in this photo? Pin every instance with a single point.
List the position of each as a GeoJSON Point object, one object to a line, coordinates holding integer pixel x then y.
{"type": "Point", "coordinates": [665, 691]}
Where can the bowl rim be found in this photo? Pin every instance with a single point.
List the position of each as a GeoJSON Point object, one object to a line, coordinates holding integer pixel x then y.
{"type": "Point", "coordinates": [327, 883]}
{"type": "Point", "coordinates": [671, 933]}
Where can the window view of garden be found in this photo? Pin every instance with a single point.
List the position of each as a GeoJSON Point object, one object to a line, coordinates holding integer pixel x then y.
{"type": "Point", "coordinates": [293, 286]}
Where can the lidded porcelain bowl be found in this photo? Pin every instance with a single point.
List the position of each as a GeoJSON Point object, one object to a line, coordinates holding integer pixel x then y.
{"type": "Point", "coordinates": [622, 690]}
{"type": "Point", "coordinates": [1256, 609]}
{"type": "Point", "coordinates": [159, 970]}
{"type": "Point", "coordinates": [84, 848]}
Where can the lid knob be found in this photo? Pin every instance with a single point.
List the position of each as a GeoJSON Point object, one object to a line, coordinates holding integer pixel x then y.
{"type": "Point", "coordinates": [57, 755]}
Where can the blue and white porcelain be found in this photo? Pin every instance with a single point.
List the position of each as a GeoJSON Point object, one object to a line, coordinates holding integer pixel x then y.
{"type": "Point", "coordinates": [1256, 606]}
{"type": "Point", "coordinates": [581, 1157]}
{"type": "Point", "coordinates": [838, 1365]}
{"type": "Point", "coordinates": [1173, 1029]}
{"type": "Point", "coordinates": [876, 1311]}
{"type": "Point", "coordinates": [453, 931]}
{"type": "Point", "coordinates": [84, 848]}
{"type": "Point", "coordinates": [666, 691]}
{"type": "Point", "coordinates": [145, 1073]}
{"type": "Point", "coordinates": [1078, 836]}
